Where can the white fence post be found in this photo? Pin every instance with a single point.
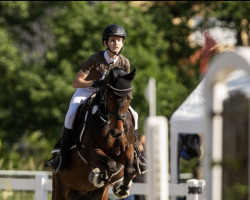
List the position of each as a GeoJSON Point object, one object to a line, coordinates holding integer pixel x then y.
{"type": "Point", "coordinates": [157, 151]}
{"type": "Point", "coordinates": [41, 192]}
{"type": "Point", "coordinates": [150, 95]}
{"type": "Point", "coordinates": [195, 189]}
{"type": "Point", "coordinates": [202, 185]}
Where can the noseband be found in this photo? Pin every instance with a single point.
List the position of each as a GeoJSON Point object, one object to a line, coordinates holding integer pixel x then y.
{"type": "Point", "coordinates": [118, 116]}
{"type": "Point", "coordinates": [121, 117]}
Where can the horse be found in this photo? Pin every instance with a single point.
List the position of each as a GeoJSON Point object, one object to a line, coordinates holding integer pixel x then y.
{"type": "Point", "coordinates": [104, 150]}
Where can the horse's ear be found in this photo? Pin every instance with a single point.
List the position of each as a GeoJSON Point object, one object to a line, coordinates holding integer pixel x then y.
{"type": "Point", "coordinates": [130, 76]}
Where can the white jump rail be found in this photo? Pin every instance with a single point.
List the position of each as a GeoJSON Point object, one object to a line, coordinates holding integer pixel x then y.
{"type": "Point", "coordinates": [40, 182]}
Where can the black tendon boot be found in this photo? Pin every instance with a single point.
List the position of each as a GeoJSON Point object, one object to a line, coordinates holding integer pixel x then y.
{"type": "Point", "coordinates": [60, 158]}
{"type": "Point", "coordinates": [140, 161]}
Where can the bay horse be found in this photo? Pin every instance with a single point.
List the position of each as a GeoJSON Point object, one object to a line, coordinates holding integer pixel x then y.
{"type": "Point", "coordinates": [104, 129]}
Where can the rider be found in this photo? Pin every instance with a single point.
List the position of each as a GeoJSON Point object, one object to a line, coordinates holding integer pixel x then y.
{"type": "Point", "coordinates": [86, 83]}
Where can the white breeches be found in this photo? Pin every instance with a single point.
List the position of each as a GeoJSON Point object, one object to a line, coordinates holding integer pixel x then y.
{"type": "Point", "coordinates": [80, 95]}
{"type": "Point", "coordinates": [135, 115]}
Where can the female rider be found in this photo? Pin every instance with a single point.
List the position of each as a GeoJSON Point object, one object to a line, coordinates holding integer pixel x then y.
{"type": "Point", "coordinates": [86, 83]}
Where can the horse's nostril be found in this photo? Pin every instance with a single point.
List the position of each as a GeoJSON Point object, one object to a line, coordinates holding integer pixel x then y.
{"type": "Point", "coordinates": [119, 133]}
{"type": "Point", "coordinates": [116, 133]}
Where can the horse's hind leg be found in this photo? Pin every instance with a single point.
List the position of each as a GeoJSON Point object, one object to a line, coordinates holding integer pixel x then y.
{"type": "Point", "coordinates": [97, 194]}
{"type": "Point", "coordinates": [101, 193]}
{"type": "Point", "coordinates": [79, 195]}
{"type": "Point", "coordinates": [59, 191]}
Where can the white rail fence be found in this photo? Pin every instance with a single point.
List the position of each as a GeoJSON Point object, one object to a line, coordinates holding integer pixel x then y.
{"type": "Point", "coordinates": [40, 182]}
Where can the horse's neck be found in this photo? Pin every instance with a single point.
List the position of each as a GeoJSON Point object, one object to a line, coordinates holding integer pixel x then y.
{"type": "Point", "coordinates": [98, 99]}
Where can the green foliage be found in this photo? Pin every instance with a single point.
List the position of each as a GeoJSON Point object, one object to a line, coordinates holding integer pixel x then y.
{"type": "Point", "coordinates": [11, 195]}
{"type": "Point", "coordinates": [27, 152]}
{"type": "Point", "coordinates": [42, 45]}
{"type": "Point", "coordinates": [237, 190]}
{"type": "Point", "coordinates": [18, 195]}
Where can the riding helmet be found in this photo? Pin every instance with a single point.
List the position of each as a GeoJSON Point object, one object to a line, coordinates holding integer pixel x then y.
{"type": "Point", "coordinates": [113, 30]}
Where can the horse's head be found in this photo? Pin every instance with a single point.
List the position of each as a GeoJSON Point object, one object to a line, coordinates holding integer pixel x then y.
{"type": "Point", "coordinates": [117, 94]}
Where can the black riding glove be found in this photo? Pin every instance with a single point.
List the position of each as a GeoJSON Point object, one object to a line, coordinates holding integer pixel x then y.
{"type": "Point", "coordinates": [97, 83]}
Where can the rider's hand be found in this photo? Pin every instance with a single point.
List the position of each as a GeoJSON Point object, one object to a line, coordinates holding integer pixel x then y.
{"type": "Point", "coordinates": [97, 83]}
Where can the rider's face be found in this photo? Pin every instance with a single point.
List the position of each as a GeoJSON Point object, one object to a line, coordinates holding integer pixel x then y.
{"type": "Point", "coordinates": [115, 43]}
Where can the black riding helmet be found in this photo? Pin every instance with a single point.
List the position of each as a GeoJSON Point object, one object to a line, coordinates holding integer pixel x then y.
{"type": "Point", "coordinates": [113, 30]}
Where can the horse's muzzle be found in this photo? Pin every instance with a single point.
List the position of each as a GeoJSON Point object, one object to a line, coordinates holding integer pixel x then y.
{"type": "Point", "coordinates": [115, 134]}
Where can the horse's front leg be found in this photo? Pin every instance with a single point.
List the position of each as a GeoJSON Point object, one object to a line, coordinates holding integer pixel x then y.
{"type": "Point", "coordinates": [121, 188]}
{"type": "Point", "coordinates": [101, 160]}
{"type": "Point", "coordinates": [105, 167]}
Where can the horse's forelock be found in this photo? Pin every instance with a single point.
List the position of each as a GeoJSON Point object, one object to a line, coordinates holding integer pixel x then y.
{"type": "Point", "coordinates": [118, 82]}
{"type": "Point", "coordinates": [116, 73]}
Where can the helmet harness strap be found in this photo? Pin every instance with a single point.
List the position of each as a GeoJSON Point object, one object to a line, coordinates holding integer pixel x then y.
{"type": "Point", "coordinates": [117, 54]}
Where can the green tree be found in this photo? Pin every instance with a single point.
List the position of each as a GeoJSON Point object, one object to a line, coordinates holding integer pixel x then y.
{"type": "Point", "coordinates": [54, 41]}
{"type": "Point", "coordinates": [43, 43]}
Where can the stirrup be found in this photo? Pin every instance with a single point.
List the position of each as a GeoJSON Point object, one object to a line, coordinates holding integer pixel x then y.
{"type": "Point", "coordinates": [141, 163]}
{"type": "Point", "coordinates": [51, 167]}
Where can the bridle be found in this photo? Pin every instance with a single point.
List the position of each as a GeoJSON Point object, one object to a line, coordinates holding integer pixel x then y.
{"type": "Point", "coordinates": [116, 116]}
{"type": "Point", "coordinates": [103, 113]}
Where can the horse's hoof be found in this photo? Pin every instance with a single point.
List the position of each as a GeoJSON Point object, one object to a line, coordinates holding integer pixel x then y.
{"type": "Point", "coordinates": [120, 190]}
{"type": "Point", "coordinates": [97, 177]}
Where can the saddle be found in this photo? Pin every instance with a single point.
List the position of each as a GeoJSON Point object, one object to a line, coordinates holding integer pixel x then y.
{"type": "Point", "coordinates": [80, 123]}
{"type": "Point", "coordinates": [81, 111]}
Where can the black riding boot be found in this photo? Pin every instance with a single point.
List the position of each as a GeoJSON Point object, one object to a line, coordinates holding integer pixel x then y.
{"type": "Point", "coordinates": [139, 161]}
{"type": "Point", "coordinates": [59, 159]}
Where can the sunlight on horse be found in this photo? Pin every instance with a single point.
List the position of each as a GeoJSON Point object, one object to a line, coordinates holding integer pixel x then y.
{"type": "Point", "coordinates": [104, 153]}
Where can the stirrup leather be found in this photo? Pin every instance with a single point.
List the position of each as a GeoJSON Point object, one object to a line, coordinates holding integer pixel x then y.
{"type": "Point", "coordinates": [140, 162]}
